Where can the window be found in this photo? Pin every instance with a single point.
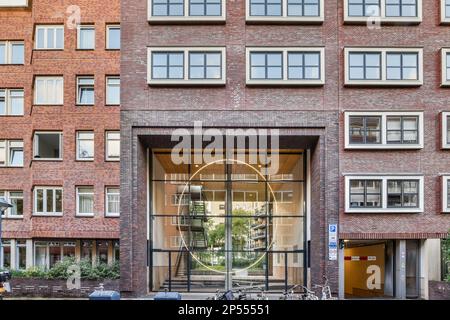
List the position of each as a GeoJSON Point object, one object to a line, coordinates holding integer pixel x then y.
{"type": "Point", "coordinates": [85, 201]}
{"type": "Point", "coordinates": [365, 129]}
{"type": "Point", "coordinates": [445, 129]}
{"type": "Point", "coordinates": [102, 251]}
{"type": "Point", "coordinates": [16, 199]}
{"type": "Point", "coordinates": [5, 254]}
{"type": "Point", "coordinates": [387, 194]}
{"type": "Point", "coordinates": [12, 52]}
{"type": "Point", "coordinates": [112, 202]}
{"type": "Point", "coordinates": [402, 66]}
{"type": "Point", "coordinates": [365, 193]}
{"type": "Point", "coordinates": [365, 66]}
{"type": "Point", "coordinates": [21, 255]}
{"type": "Point", "coordinates": [47, 254]}
{"type": "Point", "coordinates": [48, 200]}
{"type": "Point", "coordinates": [402, 129]}
{"type": "Point", "coordinates": [85, 91]}
{"type": "Point", "coordinates": [384, 66]}
{"type": "Point", "coordinates": [446, 194]}
{"type": "Point", "coordinates": [205, 65]}
{"type": "Point", "coordinates": [113, 37]}
{"type": "Point", "coordinates": [86, 250]}
{"type": "Point", "coordinates": [398, 11]}
{"type": "Point", "coordinates": [11, 153]}
{"type": "Point", "coordinates": [384, 130]}
{"type": "Point", "coordinates": [112, 146]}
{"type": "Point", "coordinates": [187, 10]}
{"type": "Point", "coordinates": [116, 250]}
{"type": "Point", "coordinates": [86, 37]}
{"type": "Point", "coordinates": [112, 91]}
{"type": "Point", "coordinates": [445, 70]}
{"type": "Point", "coordinates": [85, 145]}
{"type": "Point", "coordinates": [403, 193]}
{"type": "Point", "coordinates": [48, 90]}
{"type": "Point", "coordinates": [49, 37]}
{"type": "Point", "coordinates": [401, 8]}
{"type": "Point", "coordinates": [285, 66]}
{"type": "Point", "coordinates": [285, 10]}
{"type": "Point", "coordinates": [11, 102]}
{"type": "Point", "coordinates": [47, 146]}
{"type": "Point", "coordinates": [445, 11]}
{"type": "Point", "coordinates": [187, 66]}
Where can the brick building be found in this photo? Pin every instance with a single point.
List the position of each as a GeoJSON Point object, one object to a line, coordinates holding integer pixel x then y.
{"type": "Point", "coordinates": [59, 130]}
{"type": "Point", "coordinates": [358, 92]}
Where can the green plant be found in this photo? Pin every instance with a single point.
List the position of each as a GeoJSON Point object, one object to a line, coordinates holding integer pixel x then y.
{"type": "Point", "coordinates": [60, 270]}
{"type": "Point", "coordinates": [446, 257]}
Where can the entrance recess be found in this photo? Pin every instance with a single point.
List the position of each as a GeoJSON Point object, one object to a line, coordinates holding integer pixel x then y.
{"type": "Point", "coordinates": [227, 223]}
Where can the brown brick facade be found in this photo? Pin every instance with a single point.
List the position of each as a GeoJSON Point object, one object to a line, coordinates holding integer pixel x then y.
{"type": "Point", "coordinates": [149, 111]}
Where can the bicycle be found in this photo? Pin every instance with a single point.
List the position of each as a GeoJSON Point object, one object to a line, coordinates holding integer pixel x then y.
{"type": "Point", "coordinates": [325, 290]}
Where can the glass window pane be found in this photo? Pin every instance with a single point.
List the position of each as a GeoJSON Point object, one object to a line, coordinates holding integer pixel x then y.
{"type": "Point", "coordinates": [2, 53]}
{"type": "Point", "coordinates": [49, 199]}
{"type": "Point", "coordinates": [87, 38]}
{"type": "Point", "coordinates": [58, 200]}
{"type": "Point", "coordinates": [17, 51]}
{"type": "Point", "coordinates": [113, 38]}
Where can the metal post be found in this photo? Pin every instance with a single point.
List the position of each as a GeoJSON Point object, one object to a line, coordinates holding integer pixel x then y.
{"type": "Point", "coordinates": [1, 243]}
{"type": "Point", "coordinates": [170, 270]}
{"type": "Point", "coordinates": [228, 231]}
{"type": "Point", "coordinates": [286, 271]}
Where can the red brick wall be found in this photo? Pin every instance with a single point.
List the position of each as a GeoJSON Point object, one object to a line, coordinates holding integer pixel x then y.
{"type": "Point", "coordinates": [19, 25]}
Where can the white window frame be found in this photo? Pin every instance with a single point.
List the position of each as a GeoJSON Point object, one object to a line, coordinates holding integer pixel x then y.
{"type": "Point", "coordinates": [107, 193]}
{"type": "Point", "coordinates": [13, 3]}
{"type": "Point", "coordinates": [285, 81]}
{"type": "Point", "coordinates": [444, 19]}
{"type": "Point", "coordinates": [186, 17]}
{"type": "Point", "coordinates": [87, 27]}
{"type": "Point", "coordinates": [107, 157]}
{"type": "Point", "coordinates": [284, 15]}
{"type": "Point", "coordinates": [383, 81]}
{"type": "Point", "coordinates": [36, 145]}
{"type": "Point", "coordinates": [78, 145]}
{"type": "Point", "coordinates": [44, 201]}
{"type": "Point", "coordinates": [8, 146]}
{"type": "Point", "coordinates": [79, 103]}
{"type": "Point", "coordinates": [445, 204]}
{"type": "Point", "coordinates": [47, 101]}
{"type": "Point", "coordinates": [8, 102]}
{"type": "Point", "coordinates": [8, 52]}
{"type": "Point", "coordinates": [384, 208]}
{"type": "Point", "coordinates": [444, 82]}
{"type": "Point", "coordinates": [46, 27]}
{"type": "Point", "coordinates": [383, 18]}
{"type": "Point", "coordinates": [77, 195]}
{"type": "Point", "coordinates": [108, 27]}
{"type": "Point", "coordinates": [7, 195]}
{"type": "Point", "coordinates": [186, 80]}
{"type": "Point", "coordinates": [384, 115]}
{"type": "Point", "coordinates": [107, 100]}
{"type": "Point", "coordinates": [444, 128]}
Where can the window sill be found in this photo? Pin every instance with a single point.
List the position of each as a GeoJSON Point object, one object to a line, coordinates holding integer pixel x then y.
{"type": "Point", "coordinates": [112, 160]}
{"type": "Point", "coordinates": [445, 21]}
{"type": "Point", "coordinates": [48, 105]}
{"type": "Point", "coordinates": [284, 20]}
{"type": "Point", "coordinates": [384, 210]}
{"type": "Point", "coordinates": [186, 82]}
{"type": "Point", "coordinates": [85, 160]}
{"type": "Point", "coordinates": [112, 105]}
{"type": "Point", "coordinates": [186, 19]}
{"type": "Point", "coordinates": [57, 215]}
{"type": "Point", "coordinates": [445, 84]}
{"type": "Point", "coordinates": [84, 215]}
{"type": "Point", "coordinates": [12, 167]}
{"type": "Point", "coordinates": [305, 83]}
{"type": "Point", "coordinates": [37, 49]}
{"type": "Point", "coordinates": [80, 49]}
{"type": "Point", "coordinates": [12, 64]}
{"type": "Point", "coordinates": [12, 115]}
{"type": "Point", "coordinates": [383, 20]}
{"type": "Point", "coordinates": [108, 49]}
{"type": "Point", "coordinates": [109, 215]}
{"type": "Point", "coordinates": [384, 83]}
{"type": "Point", "coordinates": [12, 218]}
{"type": "Point", "coordinates": [47, 159]}
{"type": "Point", "coordinates": [384, 147]}
{"type": "Point", "coordinates": [84, 105]}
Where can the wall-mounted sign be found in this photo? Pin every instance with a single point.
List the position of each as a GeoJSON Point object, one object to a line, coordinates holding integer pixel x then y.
{"type": "Point", "coordinates": [332, 242]}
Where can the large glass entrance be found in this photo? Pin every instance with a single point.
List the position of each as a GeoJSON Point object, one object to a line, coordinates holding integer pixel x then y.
{"type": "Point", "coordinates": [227, 223]}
